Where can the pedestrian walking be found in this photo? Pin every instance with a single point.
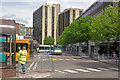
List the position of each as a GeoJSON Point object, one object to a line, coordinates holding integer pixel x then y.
{"type": "Point", "coordinates": [23, 58]}
{"type": "Point", "coordinates": [114, 55]}
{"type": "Point", "coordinates": [117, 52]}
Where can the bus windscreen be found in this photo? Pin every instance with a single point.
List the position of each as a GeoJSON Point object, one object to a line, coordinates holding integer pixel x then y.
{"type": "Point", "coordinates": [19, 46]}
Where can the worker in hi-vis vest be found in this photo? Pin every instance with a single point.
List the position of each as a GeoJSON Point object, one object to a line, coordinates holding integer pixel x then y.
{"type": "Point", "coordinates": [23, 58]}
{"type": "Point", "coordinates": [38, 49]}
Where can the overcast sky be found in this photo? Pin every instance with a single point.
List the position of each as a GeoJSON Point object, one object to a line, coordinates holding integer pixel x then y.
{"type": "Point", "coordinates": [22, 10]}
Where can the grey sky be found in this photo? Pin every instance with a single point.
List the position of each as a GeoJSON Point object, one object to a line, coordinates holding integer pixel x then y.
{"type": "Point", "coordinates": [22, 10]}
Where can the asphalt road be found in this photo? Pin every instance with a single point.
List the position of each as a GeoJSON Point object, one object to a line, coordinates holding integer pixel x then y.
{"type": "Point", "coordinates": [67, 66]}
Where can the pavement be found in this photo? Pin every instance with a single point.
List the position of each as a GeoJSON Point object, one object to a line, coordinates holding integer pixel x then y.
{"type": "Point", "coordinates": [68, 66]}
{"type": "Point", "coordinates": [101, 58]}
{"type": "Point", "coordinates": [104, 60]}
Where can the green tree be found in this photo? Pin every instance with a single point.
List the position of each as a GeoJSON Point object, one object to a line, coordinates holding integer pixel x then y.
{"type": "Point", "coordinates": [105, 26]}
{"type": "Point", "coordinates": [83, 30]}
{"type": "Point", "coordinates": [49, 40]}
{"type": "Point", "coordinates": [77, 31]}
{"type": "Point", "coordinates": [119, 16]}
{"type": "Point", "coordinates": [60, 40]}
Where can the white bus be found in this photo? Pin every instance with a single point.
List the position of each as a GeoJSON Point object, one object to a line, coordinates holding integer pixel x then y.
{"type": "Point", "coordinates": [45, 48]}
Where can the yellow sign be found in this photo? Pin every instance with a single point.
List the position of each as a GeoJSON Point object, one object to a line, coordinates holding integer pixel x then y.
{"type": "Point", "coordinates": [48, 53]}
{"type": "Point", "coordinates": [53, 59]}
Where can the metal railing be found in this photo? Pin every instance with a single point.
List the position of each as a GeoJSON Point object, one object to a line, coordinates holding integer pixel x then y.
{"type": "Point", "coordinates": [103, 58]}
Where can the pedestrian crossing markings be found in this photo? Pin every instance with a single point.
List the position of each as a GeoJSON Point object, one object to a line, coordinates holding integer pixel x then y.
{"type": "Point", "coordinates": [82, 70]}
{"type": "Point", "coordinates": [91, 69]}
{"type": "Point", "coordinates": [71, 71]}
{"type": "Point", "coordinates": [86, 70]}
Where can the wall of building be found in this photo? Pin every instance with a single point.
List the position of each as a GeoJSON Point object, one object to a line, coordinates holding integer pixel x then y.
{"type": "Point", "coordinates": [96, 8]}
{"type": "Point", "coordinates": [37, 25]}
{"type": "Point", "coordinates": [22, 29]}
{"type": "Point", "coordinates": [17, 28]}
{"type": "Point", "coordinates": [29, 31]}
{"type": "Point", "coordinates": [7, 26]}
{"type": "Point", "coordinates": [67, 17]}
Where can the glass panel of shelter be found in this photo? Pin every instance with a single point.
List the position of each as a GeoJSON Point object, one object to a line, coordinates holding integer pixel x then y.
{"type": "Point", "coordinates": [5, 51]}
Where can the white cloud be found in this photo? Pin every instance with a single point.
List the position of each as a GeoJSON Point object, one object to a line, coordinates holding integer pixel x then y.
{"type": "Point", "coordinates": [22, 10]}
{"type": "Point", "coordinates": [23, 0]}
{"type": "Point", "coordinates": [48, 0]}
{"type": "Point", "coordinates": [18, 13]}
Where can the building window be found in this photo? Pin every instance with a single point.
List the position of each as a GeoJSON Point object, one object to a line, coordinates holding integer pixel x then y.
{"type": "Point", "coordinates": [45, 21]}
{"type": "Point", "coordinates": [80, 12]}
{"type": "Point", "coordinates": [73, 15]}
{"type": "Point", "coordinates": [53, 21]}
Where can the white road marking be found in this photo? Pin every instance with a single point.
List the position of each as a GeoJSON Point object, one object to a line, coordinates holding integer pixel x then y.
{"type": "Point", "coordinates": [91, 69]}
{"type": "Point", "coordinates": [46, 76]}
{"type": "Point", "coordinates": [22, 77]}
{"type": "Point", "coordinates": [71, 71]}
{"type": "Point", "coordinates": [73, 59]}
{"type": "Point", "coordinates": [60, 59]}
{"type": "Point", "coordinates": [67, 59]}
{"type": "Point", "coordinates": [103, 69]}
{"type": "Point", "coordinates": [31, 66]}
{"type": "Point", "coordinates": [44, 59]}
{"type": "Point", "coordinates": [39, 57]}
{"type": "Point", "coordinates": [82, 70]}
{"type": "Point", "coordinates": [59, 71]}
{"type": "Point", "coordinates": [114, 68]}
{"type": "Point", "coordinates": [35, 67]}
{"type": "Point", "coordinates": [55, 59]}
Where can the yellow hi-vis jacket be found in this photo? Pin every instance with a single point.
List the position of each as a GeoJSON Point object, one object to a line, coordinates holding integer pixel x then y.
{"type": "Point", "coordinates": [38, 50]}
{"type": "Point", "coordinates": [23, 56]}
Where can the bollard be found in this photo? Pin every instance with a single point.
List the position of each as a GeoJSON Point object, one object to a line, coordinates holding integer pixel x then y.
{"type": "Point", "coordinates": [48, 62]}
{"type": "Point", "coordinates": [98, 57]}
{"type": "Point", "coordinates": [42, 63]}
{"type": "Point", "coordinates": [108, 58]}
{"type": "Point", "coordinates": [114, 56]}
{"type": "Point", "coordinates": [53, 69]}
{"type": "Point", "coordinates": [103, 56]}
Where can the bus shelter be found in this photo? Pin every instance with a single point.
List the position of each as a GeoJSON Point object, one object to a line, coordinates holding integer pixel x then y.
{"type": "Point", "coordinates": [7, 50]}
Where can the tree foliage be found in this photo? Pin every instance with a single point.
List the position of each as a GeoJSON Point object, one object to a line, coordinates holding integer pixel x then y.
{"type": "Point", "coordinates": [105, 26]}
{"type": "Point", "coordinates": [82, 31]}
{"type": "Point", "coordinates": [119, 16]}
{"type": "Point", "coordinates": [101, 28]}
{"type": "Point", "coordinates": [49, 40]}
{"type": "Point", "coordinates": [77, 31]}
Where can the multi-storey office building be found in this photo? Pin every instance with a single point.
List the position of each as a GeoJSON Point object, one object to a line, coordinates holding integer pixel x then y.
{"type": "Point", "coordinates": [45, 20]}
{"type": "Point", "coordinates": [96, 8]}
{"type": "Point", "coordinates": [67, 17]}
